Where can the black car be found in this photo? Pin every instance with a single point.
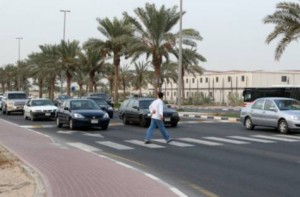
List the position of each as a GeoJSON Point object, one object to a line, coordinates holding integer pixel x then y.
{"type": "Point", "coordinates": [136, 110]}
{"type": "Point", "coordinates": [60, 99]}
{"type": "Point", "coordinates": [81, 113]}
{"type": "Point", "coordinates": [103, 105]}
{"type": "Point", "coordinates": [104, 96]}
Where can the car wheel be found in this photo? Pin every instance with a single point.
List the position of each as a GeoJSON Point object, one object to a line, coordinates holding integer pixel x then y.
{"type": "Point", "coordinates": [249, 124]}
{"type": "Point", "coordinates": [71, 124]}
{"type": "Point", "coordinates": [104, 127]}
{"type": "Point", "coordinates": [58, 123]}
{"type": "Point", "coordinates": [125, 121]}
{"type": "Point", "coordinates": [174, 124]}
{"type": "Point", "coordinates": [283, 127]}
{"type": "Point", "coordinates": [143, 122]}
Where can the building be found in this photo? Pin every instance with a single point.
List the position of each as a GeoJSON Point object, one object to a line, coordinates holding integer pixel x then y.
{"type": "Point", "coordinates": [219, 84]}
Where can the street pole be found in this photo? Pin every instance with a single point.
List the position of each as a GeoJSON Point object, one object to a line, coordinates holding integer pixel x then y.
{"type": "Point", "coordinates": [64, 35]}
{"type": "Point", "coordinates": [180, 60]}
{"type": "Point", "coordinates": [19, 59]}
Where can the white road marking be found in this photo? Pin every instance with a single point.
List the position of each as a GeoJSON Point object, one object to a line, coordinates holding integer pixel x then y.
{"type": "Point", "coordinates": [275, 138]}
{"type": "Point", "coordinates": [84, 147]}
{"type": "Point", "coordinates": [65, 132]}
{"type": "Point", "coordinates": [289, 136]}
{"type": "Point", "coordinates": [178, 192]}
{"type": "Point", "coordinates": [141, 143]}
{"type": "Point", "coordinates": [226, 140]}
{"type": "Point", "coordinates": [93, 134]}
{"type": "Point", "coordinates": [114, 145]}
{"type": "Point", "coordinates": [199, 141]}
{"type": "Point", "coordinates": [37, 126]}
{"type": "Point", "coordinates": [175, 143]}
{"type": "Point", "coordinates": [251, 139]}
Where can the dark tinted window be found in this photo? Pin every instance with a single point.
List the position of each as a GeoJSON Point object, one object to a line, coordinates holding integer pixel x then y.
{"type": "Point", "coordinates": [16, 96]}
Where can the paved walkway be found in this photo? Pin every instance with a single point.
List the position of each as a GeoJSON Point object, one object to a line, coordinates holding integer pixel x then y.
{"type": "Point", "coordinates": [71, 172]}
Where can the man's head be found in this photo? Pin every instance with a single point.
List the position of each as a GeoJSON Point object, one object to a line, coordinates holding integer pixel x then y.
{"type": "Point", "coordinates": [160, 95]}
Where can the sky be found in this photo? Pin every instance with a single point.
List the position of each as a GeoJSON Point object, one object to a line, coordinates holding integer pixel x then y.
{"type": "Point", "coordinates": [233, 30]}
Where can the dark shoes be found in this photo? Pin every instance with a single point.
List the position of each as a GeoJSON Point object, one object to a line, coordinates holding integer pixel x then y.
{"type": "Point", "coordinates": [147, 142]}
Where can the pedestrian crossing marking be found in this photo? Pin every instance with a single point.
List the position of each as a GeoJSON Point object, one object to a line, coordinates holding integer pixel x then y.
{"type": "Point", "coordinates": [141, 143]}
{"type": "Point", "coordinates": [251, 139]}
{"type": "Point", "coordinates": [93, 134]}
{"type": "Point", "coordinates": [65, 132]}
{"type": "Point", "coordinates": [84, 147]}
{"type": "Point", "coordinates": [226, 140]}
{"type": "Point", "coordinates": [289, 136]}
{"type": "Point", "coordinates": [174, 143]}
{"type": "Point", "coordinates": [275, 138]}
{"type": "Point", "coordinates": [114, 145]}
{"type": "Point", "coordinates": [197, 141]}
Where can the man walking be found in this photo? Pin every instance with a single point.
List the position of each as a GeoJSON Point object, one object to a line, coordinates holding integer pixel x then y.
{"type": "Point", "coordinates": [157, 119]}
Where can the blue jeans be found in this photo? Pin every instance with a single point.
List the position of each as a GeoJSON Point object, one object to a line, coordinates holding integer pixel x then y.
{"type": "Point", "coordinates": [161, 127]}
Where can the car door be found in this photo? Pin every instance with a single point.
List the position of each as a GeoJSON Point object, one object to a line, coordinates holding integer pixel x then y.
{"type": "Point", "coordinates": [270, 112]}
{"type": "Point", "coordinates": [27, 108]}
{"type": "Point", "coordinates": [256, 111]}
{"type": "Point", "coordinates": [63, 112]}
{"type": "Point", "coordinates": [133, 112]}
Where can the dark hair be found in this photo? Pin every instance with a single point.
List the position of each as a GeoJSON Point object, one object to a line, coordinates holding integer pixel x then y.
{"type": "Point", "coordinates": [160, 94]}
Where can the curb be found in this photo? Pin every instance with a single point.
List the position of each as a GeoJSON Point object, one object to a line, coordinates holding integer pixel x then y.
{"type": "Point", "coordinates": [206, 116]}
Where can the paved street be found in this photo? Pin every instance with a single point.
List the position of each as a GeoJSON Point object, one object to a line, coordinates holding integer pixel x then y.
{"type": "Point", "coordinates": [207, 157]}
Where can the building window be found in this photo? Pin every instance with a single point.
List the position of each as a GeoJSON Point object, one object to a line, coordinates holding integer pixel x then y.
{"type": "Point", "coordinates": [217, 79]}
{"type": "Point", "coordinates": [186, 81]}
{"type": "Point", "coordinates": [200, 80]}
{"type": "Point", "coordinates": [243, 78]}
{"type": "Point", "coordinates": [174, 93]}
{"type": "Point", "coordinates": [206, 79]}
{"type": "Point", "coordinates": [229, 79]}
{"type": "Point", "coordinates": [283, 78]}
{"type": "Point", "coordinates": [167, 93]}
{"type": "Point", "coordinates": [193, 80]}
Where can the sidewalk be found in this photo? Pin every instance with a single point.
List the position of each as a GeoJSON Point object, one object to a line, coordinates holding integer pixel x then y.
{"type": "Point", "coordinates": [71, 172]}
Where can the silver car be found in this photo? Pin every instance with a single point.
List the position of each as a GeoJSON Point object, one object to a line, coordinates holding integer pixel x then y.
{"type": "Point", "coordinates": [277, 112]}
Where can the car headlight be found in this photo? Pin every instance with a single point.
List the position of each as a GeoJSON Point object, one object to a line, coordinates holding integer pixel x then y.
{"type": "Point", "coordinates": [293, 117]}
{"type": "Point", "coordinates": [175, 114]}
{"type": "Point", "coordinates": [76, 115]}
{"type": "Point", "coordinates": [106, 115]}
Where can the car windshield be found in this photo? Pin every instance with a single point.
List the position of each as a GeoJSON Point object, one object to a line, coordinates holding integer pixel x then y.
{"type": "Point", "coordinates": [145, 104]}
{"type": "Point", "coordinates": [41, 102]}
{"type": "Point", "coordinates": [83, 104]}
{"type": "Point", "coordinates": [17, 96]}
{"type": "Point", "coordinates": [100, 102]}
{"type": "Point", "coordinates": [287, 104]}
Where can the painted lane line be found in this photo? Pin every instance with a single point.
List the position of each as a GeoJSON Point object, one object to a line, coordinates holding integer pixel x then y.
{"type": "Point", "coordinates": [203, 142]}
{"type": "Point", "coordinates": [174, 143]}
{"type": "Point", "coordinates": [289, 136]}
{"type": "Point", "coordinates": [251, 139]}
{"type": "Point", "coordinates": [178, 192]}
{"type": "Point", "coordinates": [114, 145]}
{"type": "Point", "coordinates": [275, 138]}
{"type": "Point", "coordinates": [141, 143]}
{"type": "Point", "coordinates": [65, 132]}
{"type": "Point", "coordinates": [84, 147]}
{"type": "Point", "coordinates": [93, 135]}
{"type": "Point", "coordinates": [226, 140]}
{"type": "Point", "coordinates": [37, 126]}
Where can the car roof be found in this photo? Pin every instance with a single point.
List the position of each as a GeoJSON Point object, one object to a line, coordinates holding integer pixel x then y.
{"type": "Point", "coordinates": [141, 98]}
{"type": "Point", "coordinates": [277, 98]}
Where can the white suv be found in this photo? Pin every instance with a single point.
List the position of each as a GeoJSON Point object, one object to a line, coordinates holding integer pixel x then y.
{"type": "Point", "coordinates": [13, 101]}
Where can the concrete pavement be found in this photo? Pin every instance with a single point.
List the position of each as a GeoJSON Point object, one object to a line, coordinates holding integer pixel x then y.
{"type": "Point", "coordinates": [70, 172]}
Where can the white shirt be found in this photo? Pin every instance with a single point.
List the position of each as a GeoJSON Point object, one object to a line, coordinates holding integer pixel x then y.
{"type": "Point", "coordinates": [156, 109]}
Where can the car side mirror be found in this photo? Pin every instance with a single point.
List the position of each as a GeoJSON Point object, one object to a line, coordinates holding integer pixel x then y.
{"type": "Point", "coordinates": [135, 107]}
{"type": "Point", "coordinates": [66, 108]}
{"type": "Point", "coordinates": [273, 109]}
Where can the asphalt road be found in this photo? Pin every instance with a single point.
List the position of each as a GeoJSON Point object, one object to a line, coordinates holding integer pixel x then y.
{"type": "Point", "coordinates": [207, 158]}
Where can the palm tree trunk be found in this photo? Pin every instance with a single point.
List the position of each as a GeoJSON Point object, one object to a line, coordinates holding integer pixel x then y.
{"type": "Point", "coordinates": [40, 87]}
{"type": "Point", "coordinates": [69, 78]}
{"type": "Point", "coordinates": [116, 79]}
{"type": "Point", "coordinates": [91, 80]}
{"type": "Point", "coordinates": [156, 61]}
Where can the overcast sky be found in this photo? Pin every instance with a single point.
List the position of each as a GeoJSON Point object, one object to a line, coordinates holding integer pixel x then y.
{"type": "Point", "coordinates": [233, 31]}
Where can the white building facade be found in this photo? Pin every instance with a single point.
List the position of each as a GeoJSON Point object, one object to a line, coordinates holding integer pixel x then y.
{"type": "Point", "coordinates": [218, 85]}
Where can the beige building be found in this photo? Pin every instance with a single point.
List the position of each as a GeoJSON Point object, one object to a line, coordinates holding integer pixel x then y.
{"type": "Point", "coordinates": [218, 85]}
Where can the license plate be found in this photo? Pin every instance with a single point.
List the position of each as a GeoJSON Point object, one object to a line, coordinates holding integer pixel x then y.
{"type": "Point", "coordinates": [47, 114]}
{"type": "Point", "coordinates": [167, 119]}
{"type": "Point", "coordinates": [94, 121]}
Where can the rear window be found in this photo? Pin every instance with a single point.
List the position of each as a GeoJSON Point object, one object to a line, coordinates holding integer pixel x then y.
{"type": "Point", "coordinates": [16, 96]}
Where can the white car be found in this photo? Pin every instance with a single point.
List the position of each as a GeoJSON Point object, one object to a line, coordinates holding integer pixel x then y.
{"type": "Point", "coordinates": [36, 108]}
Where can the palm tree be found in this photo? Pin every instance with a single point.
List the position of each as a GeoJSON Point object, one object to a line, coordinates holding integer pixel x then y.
{"type": "Point", "coordinates": [287, 24]}
{"type": "Point", "coordinates": [126, 77]}
{"type": "Point", "coordinates": [141, 75]}
{"type": "Point", "coordinates": [168, 72]}
{"type": "Point", "coordinates": [153, 35]}
{"type": "Point", "coordinates": [69, 52]}
{"type": "Point", "coordinates": [118, 33]}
